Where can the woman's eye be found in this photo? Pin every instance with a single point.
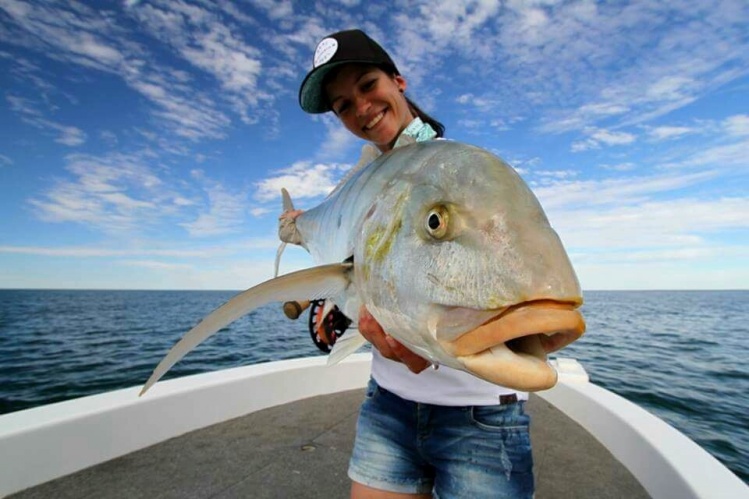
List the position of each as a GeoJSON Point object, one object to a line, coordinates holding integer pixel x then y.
{"type": "Point", "coordinates": [436, 222]}
{"type": "Point", "coordinates": [340, 109]}
{"type": "Point", "coordinates": [369, 85]}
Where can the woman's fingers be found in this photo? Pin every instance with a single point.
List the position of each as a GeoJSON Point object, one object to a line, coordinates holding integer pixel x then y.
{"type": "Point", "coordinates": [415, 363]}
{"type": "Point", "coordinates": [291, 214]}
{"type": "Point", "coordinates": [388, 346]}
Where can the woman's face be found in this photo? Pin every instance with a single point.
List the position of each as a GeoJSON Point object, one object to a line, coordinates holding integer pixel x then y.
{"type": "Point", "coordinates": [370, 103]}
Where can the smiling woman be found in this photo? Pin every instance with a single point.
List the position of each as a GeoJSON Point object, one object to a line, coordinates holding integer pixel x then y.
{"type": "Point", "coordinates": [357, 80]}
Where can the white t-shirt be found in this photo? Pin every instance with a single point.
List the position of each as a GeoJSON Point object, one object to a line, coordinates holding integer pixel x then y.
{"type": "Point", "coordinates": [443, 386]}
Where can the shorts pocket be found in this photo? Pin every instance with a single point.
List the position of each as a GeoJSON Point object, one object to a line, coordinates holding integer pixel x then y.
{"type": "Point", "coordinates": [499, 417]}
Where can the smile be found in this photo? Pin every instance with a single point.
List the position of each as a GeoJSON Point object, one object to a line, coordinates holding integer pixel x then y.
{"type": "Point", "coordinates": [371, 124]}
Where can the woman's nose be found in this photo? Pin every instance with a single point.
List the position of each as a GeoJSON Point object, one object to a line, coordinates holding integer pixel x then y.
{"type": "Point", "coordinates": [362, 106]}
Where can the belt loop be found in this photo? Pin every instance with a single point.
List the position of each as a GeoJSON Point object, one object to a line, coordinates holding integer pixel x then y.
{"type": "Point", "coordinates": [508, 399]}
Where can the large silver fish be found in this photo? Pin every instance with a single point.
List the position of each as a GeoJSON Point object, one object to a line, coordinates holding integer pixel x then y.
{"type": "Point", "coordinates": [452, 254]}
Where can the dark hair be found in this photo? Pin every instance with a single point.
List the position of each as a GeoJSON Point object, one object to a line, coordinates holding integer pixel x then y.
{"type": "Point", "coordinates": [436, 125]}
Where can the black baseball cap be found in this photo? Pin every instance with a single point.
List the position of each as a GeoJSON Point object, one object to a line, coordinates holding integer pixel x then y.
{"type": "Point", "coordinates": [335, 50]}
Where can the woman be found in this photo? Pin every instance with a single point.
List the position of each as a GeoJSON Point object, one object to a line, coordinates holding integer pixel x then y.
{"type": "Point", "coordinates": [420, 431]}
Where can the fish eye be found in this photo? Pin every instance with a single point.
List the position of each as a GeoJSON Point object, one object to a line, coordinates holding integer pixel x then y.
{"type": "Point", "coordinates": [436, 222]}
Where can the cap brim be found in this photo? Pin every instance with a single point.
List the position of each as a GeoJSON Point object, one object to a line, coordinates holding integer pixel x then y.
{"type": "Point", "coordinates": [311, 96]}
{"type": "Point", "coordinates": [311, 93]}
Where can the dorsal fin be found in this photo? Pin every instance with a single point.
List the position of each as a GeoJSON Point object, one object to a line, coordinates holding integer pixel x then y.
{"type": "Point", "coordinates": [288, 204]}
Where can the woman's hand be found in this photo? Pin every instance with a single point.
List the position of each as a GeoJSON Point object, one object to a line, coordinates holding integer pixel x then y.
{"type": "Point", "coordinates": [387, 345]}
{"type": "Point", "coordinates": [287, 231]}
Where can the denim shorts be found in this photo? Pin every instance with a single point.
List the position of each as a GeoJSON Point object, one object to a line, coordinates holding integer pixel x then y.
{"type": "Point", "coordinates": [475, 451]}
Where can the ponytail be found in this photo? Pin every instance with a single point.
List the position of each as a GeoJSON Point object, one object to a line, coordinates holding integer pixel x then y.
{"type": "Point", "coordinates": [436, 125]}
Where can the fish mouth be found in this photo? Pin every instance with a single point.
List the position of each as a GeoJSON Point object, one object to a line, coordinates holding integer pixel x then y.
{"type": "Point", "coordinates": [511, 348]}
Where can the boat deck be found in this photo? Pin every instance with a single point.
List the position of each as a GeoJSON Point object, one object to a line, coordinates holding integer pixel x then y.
{"type": "Point", "coordinates": [302, 449]}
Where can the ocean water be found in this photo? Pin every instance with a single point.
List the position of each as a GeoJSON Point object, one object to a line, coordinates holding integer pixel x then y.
{"type": "Point", "coordinates": [681, 355]}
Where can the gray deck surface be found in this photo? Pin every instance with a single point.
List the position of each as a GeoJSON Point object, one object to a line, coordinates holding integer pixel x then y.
{"type": "Point", "coordinates": [302, 450]}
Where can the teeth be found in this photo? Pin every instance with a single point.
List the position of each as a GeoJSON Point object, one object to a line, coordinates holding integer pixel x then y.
{"type": "Point", "coordinates": [375, 120]}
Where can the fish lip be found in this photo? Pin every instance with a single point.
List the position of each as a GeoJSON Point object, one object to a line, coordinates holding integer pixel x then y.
{"type": "Point", "coordinates": [557, 323]}
{"type": "Point", "coordinates": [510, 348]}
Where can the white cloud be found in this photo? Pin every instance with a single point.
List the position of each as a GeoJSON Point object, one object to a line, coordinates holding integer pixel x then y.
{"type": "Point", "coordinates": [669, 132]}
{"type": "Point", "coordinates": [591, 58]}
{"type": "Point", "coordinates": [116, 194]}
{"type": "Point", "coordinates": [737, 124]}
{"type": "Point", "coordinates": [620, 167]}
{"type": "Point", "coordinates": [207, 42]}
{"type": "Point", "coordinates": [30, 113]}
{"type": "Point", "coordinates": [157, 265]}
{"type": "Point", "coordinates": [77, 34]}
{"type": "Point", "coordinates": [724, 156]}
{"type": "Point", "coordinates": [602, 109]}
{"type": "Point", "coordinates": [302, 179]}
{"type": "Point", "coordinates": [471, 123]}
{"type": "Point", "coordinates": [150, 249]}
{"type": "Point", "coordinates": [622, 191]}
{"type": "Point", "coordinates": [612, 138]}
{"type": "Point", "coordinates": [670, 88]}
{"type": "Point", "coordinates": [481, 103]}
{"type": "Point", "coordinates": [557, 174]}
{"type": "Point", "coordinates": [98, 252]}
{"type": "Point", "coordinates": [98, 196]}
{"type": "Point", "coordinates": [224, 215]}
{"type": "Point", "coordinates": [109, 137]}
{"type": "Point", "coordinates": [259, 212]}
{"type": "Point", "coordinates": [677, 274]}
{"type": "Point", "coordinates": [275, 9]}
{"type": "Point", "coordinates": [603, 71]}
{"type": "Point", "coordinates": [596, 137]}
{"type": "Point", "coordinates": [464, 98]}
{"type": "Point", "coordinates": [338, 140]}
{"type": "Point", "coordinates": [191, 116]}
{"type": "Point", "coordinates": [71, 136]}
{"type": "Point", "coordinates": [641, 218]}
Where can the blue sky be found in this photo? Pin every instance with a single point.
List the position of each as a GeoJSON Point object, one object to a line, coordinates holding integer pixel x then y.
{"type": "Point", "coordinates": [144, 143]}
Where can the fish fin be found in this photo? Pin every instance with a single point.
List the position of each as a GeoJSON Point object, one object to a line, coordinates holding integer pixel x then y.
{"type": "Point", "coordinates": [288, 205]}
{"type": "Point", "coordinates": [309, 284]}
{"type": "Point", "coordinates": [432, 324]}
{"type": "Point", "coordinates": [278, 258]}
{"type": "Point", "coordinates": [347, 344]}
{"type": "Point", "coordinates": [369, 153]}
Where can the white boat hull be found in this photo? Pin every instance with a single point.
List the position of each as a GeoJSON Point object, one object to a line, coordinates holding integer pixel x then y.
{"type": "Point", "coordinates": [44, 443]}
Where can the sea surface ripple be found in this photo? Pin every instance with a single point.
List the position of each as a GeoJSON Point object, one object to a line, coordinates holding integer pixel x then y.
{"type": "Point", "coordinates": [679, 354]}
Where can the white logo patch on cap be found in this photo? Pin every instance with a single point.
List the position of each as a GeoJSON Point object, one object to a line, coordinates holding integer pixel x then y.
{"type": "Point", "coordinates": [325, 50]}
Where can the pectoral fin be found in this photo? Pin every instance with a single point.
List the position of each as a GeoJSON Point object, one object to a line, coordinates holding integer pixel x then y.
{"type": "Point", "coordinates": [350, 342]}
{"type": "Point", "coordinates": [315, 283]}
